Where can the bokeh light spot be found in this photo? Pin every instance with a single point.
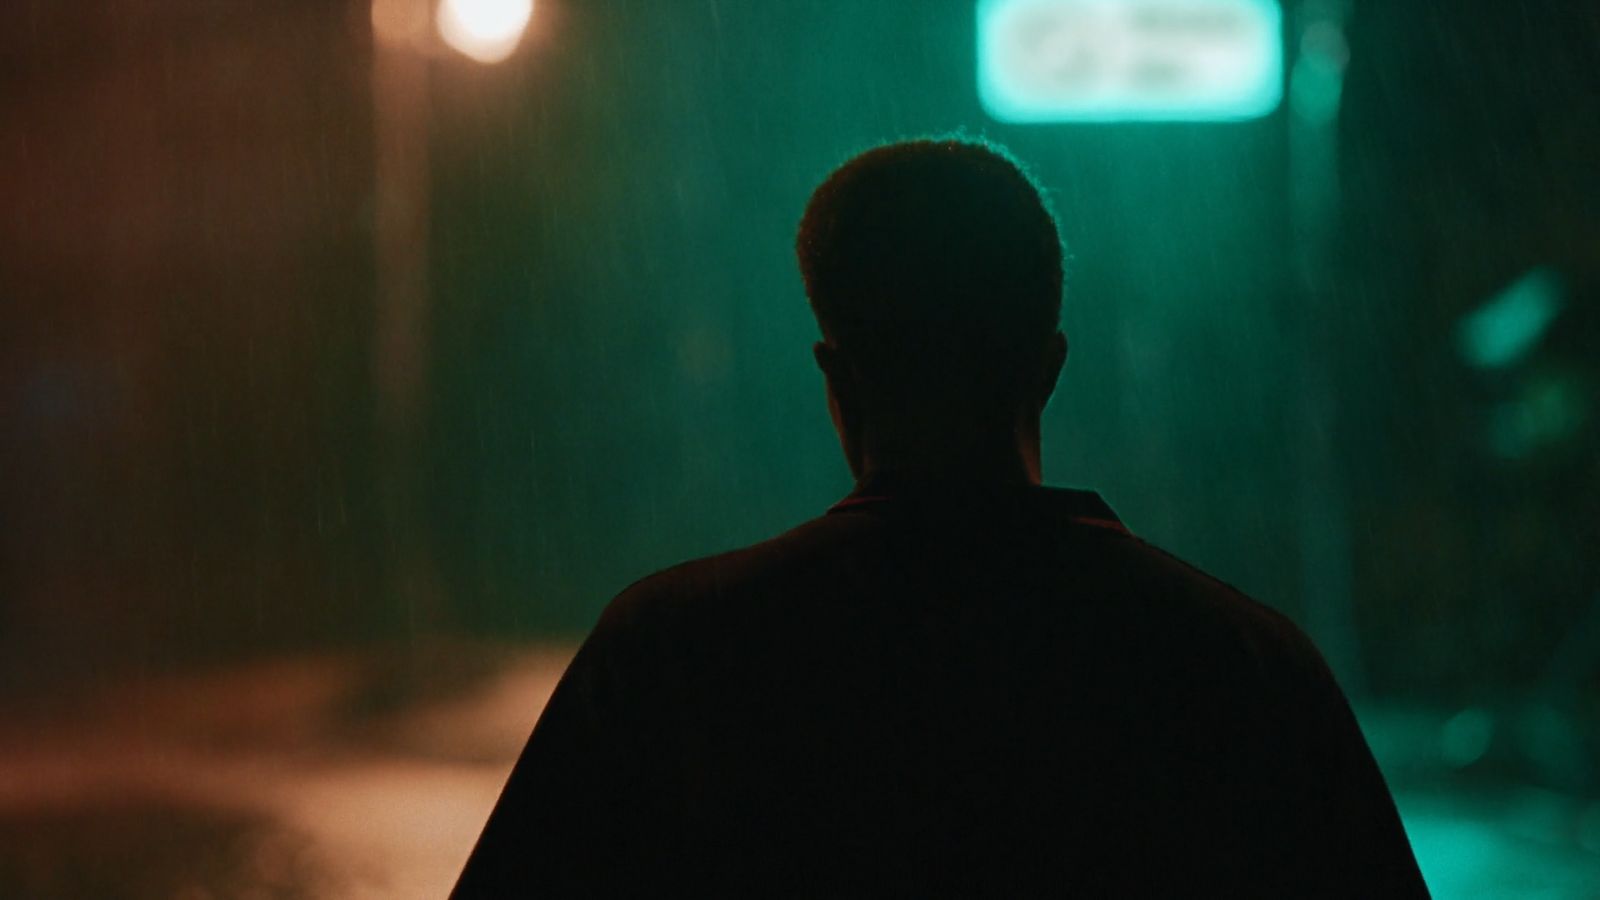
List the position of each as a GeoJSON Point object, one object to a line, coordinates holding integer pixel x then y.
{"type": "Point", "coordinates": [485, 30]}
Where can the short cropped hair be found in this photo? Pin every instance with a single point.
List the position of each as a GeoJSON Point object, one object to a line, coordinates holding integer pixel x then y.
{"type": "Point", "coordinates": [933, 256]}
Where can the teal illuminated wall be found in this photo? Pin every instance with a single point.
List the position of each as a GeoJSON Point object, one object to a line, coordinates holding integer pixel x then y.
{"type": "Point", "coordinates": [623, 342]}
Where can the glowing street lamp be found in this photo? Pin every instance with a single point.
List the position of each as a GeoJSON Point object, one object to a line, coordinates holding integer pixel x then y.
{"type": "Point", "coordinates": [485, 30]}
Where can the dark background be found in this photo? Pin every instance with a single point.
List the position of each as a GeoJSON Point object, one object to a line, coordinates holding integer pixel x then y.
{"type": "Point", "coordinates": [254, 407]}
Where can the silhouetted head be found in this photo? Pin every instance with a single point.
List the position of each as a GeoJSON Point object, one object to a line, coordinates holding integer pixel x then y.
{"type": "Point", "coordinates": [935, 272]}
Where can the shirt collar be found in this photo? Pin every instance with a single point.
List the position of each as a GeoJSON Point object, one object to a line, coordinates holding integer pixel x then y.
{"type": "Point", "coordinates": [883, 491]}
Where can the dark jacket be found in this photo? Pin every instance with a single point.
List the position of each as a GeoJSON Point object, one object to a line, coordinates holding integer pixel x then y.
{"type": "Point", "coordinates": [933, 691]}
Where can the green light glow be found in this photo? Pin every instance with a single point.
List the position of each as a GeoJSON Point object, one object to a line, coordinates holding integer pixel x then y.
{"type": "Point", "coordinates": [1504, 329]}
{"type": "Point", "coordinates": [1129, 60]}
{"type": "Point", "coordinates": [1466, 736]}
{"type": "Point", "coordinates": [1549, 409]}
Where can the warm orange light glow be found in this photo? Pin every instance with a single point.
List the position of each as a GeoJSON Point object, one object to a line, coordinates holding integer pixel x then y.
{"type": "Point", "coordinates": [485, 30]}
{"type": "Point", "coordinates": [400, 22]}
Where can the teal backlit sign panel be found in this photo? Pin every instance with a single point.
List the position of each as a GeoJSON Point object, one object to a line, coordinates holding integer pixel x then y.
{"type": "Point", "coordinates": [1129, 60]}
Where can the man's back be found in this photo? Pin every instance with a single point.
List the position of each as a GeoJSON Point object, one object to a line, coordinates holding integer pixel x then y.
{"type": "Point", "coordinates": [936, 690]}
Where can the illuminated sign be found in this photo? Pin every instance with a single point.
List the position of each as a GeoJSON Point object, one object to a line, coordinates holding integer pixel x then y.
{"type": "Point", "coordinates": [1129, 60]}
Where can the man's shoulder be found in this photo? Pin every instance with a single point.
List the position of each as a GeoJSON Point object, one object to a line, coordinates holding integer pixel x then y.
{"type": "Point", "coordinates": [677, 589]}
{"type": "Point", "coordinates": [1207, 610]}
{"type": "Point", "coordinates": [1163, 568]}
{"type": "Point", "coordinates": [824, 555]}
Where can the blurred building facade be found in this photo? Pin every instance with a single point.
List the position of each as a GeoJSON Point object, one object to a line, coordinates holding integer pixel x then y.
{"type": "Point", "coordinates": [616, 364]}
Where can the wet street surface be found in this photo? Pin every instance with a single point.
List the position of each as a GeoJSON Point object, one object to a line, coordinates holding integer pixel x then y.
{"type": "Point", "coordinates": [368, 776]}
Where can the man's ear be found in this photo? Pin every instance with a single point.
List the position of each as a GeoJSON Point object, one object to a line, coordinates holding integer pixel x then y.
{"type": "Point", "coordinates": [842, 400]}
{"type": "Point", "coordinates": [826, 357]}
{"type": "Point", "coordinates": [836, 371]}
{"type": "Point", "coordinates": [1055, 358]}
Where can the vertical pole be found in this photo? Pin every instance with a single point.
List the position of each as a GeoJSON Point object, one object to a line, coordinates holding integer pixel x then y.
{"type": "Point", "coordinates": [1316, 82]}
{"type": "Point", "coordinates": [400, 31]}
